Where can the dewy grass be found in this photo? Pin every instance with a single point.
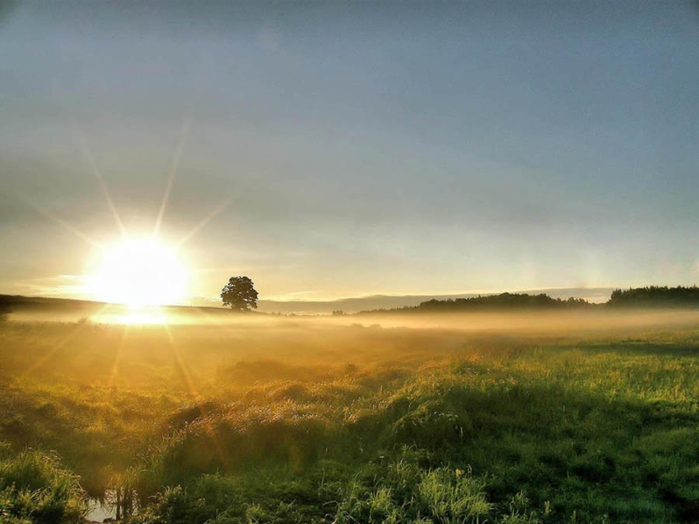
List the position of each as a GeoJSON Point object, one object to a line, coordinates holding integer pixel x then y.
{"type": "Point", "coordinates": [35, 488]}
{"type": "Point", "coordinates": [308, 420]}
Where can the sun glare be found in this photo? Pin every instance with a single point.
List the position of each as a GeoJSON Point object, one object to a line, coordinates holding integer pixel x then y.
{"type": "Point", "coordinates": [140, 273]}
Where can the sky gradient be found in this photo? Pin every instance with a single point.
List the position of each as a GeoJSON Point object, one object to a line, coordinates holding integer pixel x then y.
{"type": "Point", "coordinates": [348, 149]}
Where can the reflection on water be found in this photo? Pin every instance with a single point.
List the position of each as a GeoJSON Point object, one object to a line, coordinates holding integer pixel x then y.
{"type": "Point", "coordinates": [99, 510]}
{"type": "Point", "coordinates": [115, 505]}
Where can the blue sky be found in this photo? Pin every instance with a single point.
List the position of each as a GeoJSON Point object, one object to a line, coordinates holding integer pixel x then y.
{"type": "Point", "coordinates": [395, 148]}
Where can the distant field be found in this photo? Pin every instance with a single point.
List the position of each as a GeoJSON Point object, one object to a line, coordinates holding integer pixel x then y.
{"type": "Point", "coordinates": [217, 418]}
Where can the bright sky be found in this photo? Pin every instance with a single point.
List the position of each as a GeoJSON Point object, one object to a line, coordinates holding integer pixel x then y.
{"type": "Point", "coordinates": [399, 148]}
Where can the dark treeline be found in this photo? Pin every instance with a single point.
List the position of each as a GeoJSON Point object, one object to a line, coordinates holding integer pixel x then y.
{"type": "Point", "coordinates": [504, 301]}
{"type": "Point", "coordinates": [5, 306]}
{"type": "Point", "coordinates": [652, 296]}
{"type": "Point", "coordinates": [656, 296]}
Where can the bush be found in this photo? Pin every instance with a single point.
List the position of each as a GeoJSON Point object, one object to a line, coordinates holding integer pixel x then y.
{"type": "Point", "coordinates": [35, 489]}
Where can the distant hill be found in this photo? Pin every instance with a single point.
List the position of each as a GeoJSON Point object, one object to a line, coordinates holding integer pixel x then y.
{"type": "Point", "coordinates": [301, 307]}
{"type": "Point", "coordinates": [348, 305]}
{"type": "Point", "coordinates": [70, 310]}
{"type": "Point", "coordinates": [501, 302]}
{"type": "Point", "coordinates": [14, 302]}
{"type": "Point", "coordinates": [354, 305]}
{"type": "Point", "coordinates": [86, 308]}
{"type": "Point", "coordinates": [651, 296]}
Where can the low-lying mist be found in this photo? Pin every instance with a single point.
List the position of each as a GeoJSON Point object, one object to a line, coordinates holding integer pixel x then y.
{"type": "Point", "coordinates": [117, 345]}
{"type": "Point", "coordinates": [175, 407]}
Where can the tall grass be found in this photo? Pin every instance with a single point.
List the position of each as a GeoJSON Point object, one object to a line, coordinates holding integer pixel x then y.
{"type": "Point", "coordinates": [325, 422]}
{"type": "Point", "coordinates": [35, 488]}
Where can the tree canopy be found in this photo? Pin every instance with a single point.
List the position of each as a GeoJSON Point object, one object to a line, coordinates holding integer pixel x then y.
{"type": "Point", "coordinates": [239, 294]}
{"type": "Point", "coordinates": [656, 296]}
{"type": "Point", "coordinates": [504, 301]}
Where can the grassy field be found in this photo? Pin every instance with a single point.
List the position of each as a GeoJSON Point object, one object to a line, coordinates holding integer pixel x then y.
{"type": "Point", "coordinates": [551, 418]}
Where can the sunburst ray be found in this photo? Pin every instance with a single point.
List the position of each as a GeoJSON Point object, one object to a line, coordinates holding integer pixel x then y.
{"type": "Point", "coordinates": [100, 181]}
{"type": "Point", "coordinates": [201, 224]}
{"type": "Point", "coordinates": [117, 357]}
{"type": "Point", "coordinates": [184, 369]}
{"type": "Point", "coordinates": [181, 364]}
{"type": "Point", "coordinates": [171, 178]}
{"type": "Point", "coordinates": [40, 362]}
{"type": "Point", "coordinates": [63, 223]}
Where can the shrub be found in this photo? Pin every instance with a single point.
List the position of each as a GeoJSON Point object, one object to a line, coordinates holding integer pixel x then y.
{"type": "Point", "coordinates": [35, 489]}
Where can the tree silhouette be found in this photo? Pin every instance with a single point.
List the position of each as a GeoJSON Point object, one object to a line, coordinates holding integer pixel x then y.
{"type": "Point", "coordinates": [656, 296]}
{"type": "Point", "coordinates": [502, 302]}
{"type": "Point", "coordinates": [239, 294]}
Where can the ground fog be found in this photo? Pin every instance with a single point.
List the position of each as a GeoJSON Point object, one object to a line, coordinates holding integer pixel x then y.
{"type": "Point", "coordinates": [204, 416]}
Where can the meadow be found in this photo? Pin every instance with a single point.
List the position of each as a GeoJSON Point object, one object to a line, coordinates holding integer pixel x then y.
{"type": "Point", "coordinates": [561, 417]}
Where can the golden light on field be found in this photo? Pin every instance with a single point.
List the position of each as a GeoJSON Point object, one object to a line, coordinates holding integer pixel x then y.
{"type": "Point", "coordinates": [140, 273]}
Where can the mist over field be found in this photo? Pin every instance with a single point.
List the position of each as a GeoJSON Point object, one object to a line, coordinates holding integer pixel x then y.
{"type": "Point", "coordinates": [210, 416]}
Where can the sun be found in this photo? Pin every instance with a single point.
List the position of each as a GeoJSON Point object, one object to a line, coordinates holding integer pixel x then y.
{"type": "Point", "coordinates": [140, 273]}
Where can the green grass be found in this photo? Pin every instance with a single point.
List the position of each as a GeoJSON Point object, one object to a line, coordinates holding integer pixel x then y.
{"type": "Point", "coordinates": [317, 421]}
{"type": "Point", "coordinates": [35, 488]}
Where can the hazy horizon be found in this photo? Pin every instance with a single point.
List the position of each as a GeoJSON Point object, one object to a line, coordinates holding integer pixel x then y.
{"type": "Point", "coordinates": [358, 304]}
{"type": "Point", "coordinates": [335, 150]}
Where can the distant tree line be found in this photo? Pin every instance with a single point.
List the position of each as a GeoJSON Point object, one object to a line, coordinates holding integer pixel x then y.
{"type": "Point", "coordinates": [656, 296]}
{"type": "Point", "coordinates": [504, 301]}
{"type": "Point", "coordinates": [5, 307]}
{"type": "Point", "coordinates": [652, 296]}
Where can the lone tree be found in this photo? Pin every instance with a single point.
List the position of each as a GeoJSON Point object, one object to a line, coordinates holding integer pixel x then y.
{"type": "Point", "coordinates": [239, 294]}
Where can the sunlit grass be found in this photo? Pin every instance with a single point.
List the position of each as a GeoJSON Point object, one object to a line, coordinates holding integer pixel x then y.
{"type": "Point", "coordinates": [297, 420]}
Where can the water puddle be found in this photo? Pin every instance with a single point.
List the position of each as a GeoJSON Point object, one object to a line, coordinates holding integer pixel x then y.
{"type": "Point", "coordinates": [116, 504]}
{"type": "Point", "coordinates": [100, 510]}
